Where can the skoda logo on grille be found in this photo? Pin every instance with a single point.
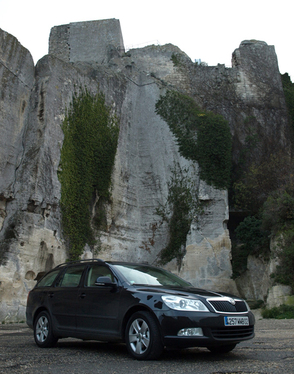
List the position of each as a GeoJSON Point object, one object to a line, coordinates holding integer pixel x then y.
{"type": "Point", "coordinates": [232, 301]}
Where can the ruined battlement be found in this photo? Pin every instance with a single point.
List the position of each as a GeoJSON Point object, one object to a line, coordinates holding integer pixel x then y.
{"type": "Point", "coordinates": [87, 41]}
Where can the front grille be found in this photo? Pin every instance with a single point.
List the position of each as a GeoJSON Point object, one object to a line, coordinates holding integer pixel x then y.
{"type": "Point", "coordinates": [226, 306]}
{"type": "Point", "coordinates": [232, 332]}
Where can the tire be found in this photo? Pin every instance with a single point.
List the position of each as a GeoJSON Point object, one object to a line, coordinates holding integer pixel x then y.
{"type": "Point", "coordinates": [222, 349]}
{"type": "Point", "coordinates": [143, 338]}
{"type": "Point", "coordinates": [43, 331]}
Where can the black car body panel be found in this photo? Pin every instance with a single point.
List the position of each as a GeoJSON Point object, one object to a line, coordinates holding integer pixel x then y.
{"type": "Point", "coordinates": [85, 304]}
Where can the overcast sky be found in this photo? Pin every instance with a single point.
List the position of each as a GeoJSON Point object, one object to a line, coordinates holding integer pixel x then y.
{"type": "Point", "coordinates": [207, 30]}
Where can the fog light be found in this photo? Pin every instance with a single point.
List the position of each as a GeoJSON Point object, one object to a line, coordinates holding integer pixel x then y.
{"type": "Point", "coordinates": [191, 331]}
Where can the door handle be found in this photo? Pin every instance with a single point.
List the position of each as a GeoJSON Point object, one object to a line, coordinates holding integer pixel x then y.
{"type": "Point", "coordinates": [82, 295]}
{"type": "Point", "coordinates": [51, 294]}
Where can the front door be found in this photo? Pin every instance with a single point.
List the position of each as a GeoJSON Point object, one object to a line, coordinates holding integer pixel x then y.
{"type": "Point", "coordinates": [98, 308]}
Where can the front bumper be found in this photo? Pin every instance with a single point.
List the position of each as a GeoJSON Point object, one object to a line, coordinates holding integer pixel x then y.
{"type": "Point", "coordinates": [215, 333]}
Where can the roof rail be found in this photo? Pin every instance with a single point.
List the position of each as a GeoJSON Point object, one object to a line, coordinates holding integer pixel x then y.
{"type": "Point", "coordinates": [80, 261]}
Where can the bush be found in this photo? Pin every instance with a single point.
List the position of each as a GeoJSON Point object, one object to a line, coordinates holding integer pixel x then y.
{"type": "Point", "coordinates": [250, 233]}
{"type": "Point", "coordinates": [251, 239]}
{"type": "Point", "coordinates": [278, 210]}
{"type": "Point", "coordinates": [281, 312]}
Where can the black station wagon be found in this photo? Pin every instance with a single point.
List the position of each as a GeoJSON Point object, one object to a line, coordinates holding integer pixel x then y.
{"type": "Point", "coordinates": [146, 307]}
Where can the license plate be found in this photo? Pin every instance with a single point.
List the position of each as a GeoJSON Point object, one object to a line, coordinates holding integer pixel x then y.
{"type": "Point", "coordinates": [236, 321]}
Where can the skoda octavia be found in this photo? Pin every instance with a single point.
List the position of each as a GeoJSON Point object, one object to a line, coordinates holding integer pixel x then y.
{"type": "Point", "coordinates": [146, 307]}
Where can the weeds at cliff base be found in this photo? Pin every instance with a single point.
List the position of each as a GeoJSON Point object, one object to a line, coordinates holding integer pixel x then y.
{"type": "Point", "coordinates": [281, 312]}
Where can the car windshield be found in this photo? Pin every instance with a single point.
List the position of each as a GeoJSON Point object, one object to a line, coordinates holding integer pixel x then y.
{"type": "Point", "coordinates": [151, 276]}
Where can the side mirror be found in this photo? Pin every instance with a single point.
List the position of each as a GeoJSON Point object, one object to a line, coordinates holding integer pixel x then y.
{"type": "Point", "coordinates": [104, 281]}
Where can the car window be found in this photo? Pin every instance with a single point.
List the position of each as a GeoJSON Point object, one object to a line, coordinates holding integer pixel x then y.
{"type": "Point", "coordinates": [97, 271]}
{"type": "Point", "coordinates": [72, 276]}
{"type": "Point", "coordinates": [148, 275]}
{"type": "Point", "coordinates": [48, 279]}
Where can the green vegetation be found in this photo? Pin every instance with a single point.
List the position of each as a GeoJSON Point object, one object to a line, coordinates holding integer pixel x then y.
{"type": "Point", "coordinates": [265, 190]}
{"type": "Point", "coordinates": [252, 239]}
{"type": "Point", "coordinates": [278, 210]}
{"type": "Point", "coordinates": [181, 208]}
{"type": "Point", "coordinates": [87, 158]}
{"type": "Point", "coordinates": [278, 216]}
{"type": "Point", "coordinates": [202, 136]}
{"type": "Point", "coordinates": [249, 232]}
{"type": "Point", "coordinates": [176, 59]}
{"type": "Point", "coordinates": [281, 312]}
{"type": "Point", "coordinates": [257, 180]}
{"type": "Point", "coordinates": [288, 88]}
{"type": "Point", "coordinates": [270, 197]}
{"type": "Point", "coordinates": [255, 304]}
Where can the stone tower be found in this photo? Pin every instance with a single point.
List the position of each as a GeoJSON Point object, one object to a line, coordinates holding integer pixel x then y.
{"type": "Point", "coordinates": [87, 41]}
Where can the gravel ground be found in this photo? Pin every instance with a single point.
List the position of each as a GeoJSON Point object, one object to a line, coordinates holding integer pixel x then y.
{"type": "Point", "coordinates": [271, 351]}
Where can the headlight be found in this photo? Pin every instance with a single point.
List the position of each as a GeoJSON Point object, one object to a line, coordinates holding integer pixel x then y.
{"type": "Point", "coordinates": [181, 303]}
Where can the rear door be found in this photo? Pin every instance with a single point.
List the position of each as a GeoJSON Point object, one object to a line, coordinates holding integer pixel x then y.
{"type": "Point", "coordinates": [98, 306]}
{"type": "Point", "coordinates": [63, 298]}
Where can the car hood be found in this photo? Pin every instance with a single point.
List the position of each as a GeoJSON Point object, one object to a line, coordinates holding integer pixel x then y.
{"type": "Point", "coordinates": [179, 291]}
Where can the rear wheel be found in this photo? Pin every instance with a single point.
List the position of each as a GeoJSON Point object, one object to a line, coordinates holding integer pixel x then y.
{"type": "Point", "coordinates": [222, 349]}
{"type": "Point", "coordinates": [43, 332]}
{"type": "Point", "coordinates": [143, 338]}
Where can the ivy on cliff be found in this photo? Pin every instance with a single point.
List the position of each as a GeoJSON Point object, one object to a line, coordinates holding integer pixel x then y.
{"type": "Point", "coordinates": [87, 158]}
{"type": "Point", "coordinates": [202, 136]}
{"type": "Point", "coordinates": [181, 208]}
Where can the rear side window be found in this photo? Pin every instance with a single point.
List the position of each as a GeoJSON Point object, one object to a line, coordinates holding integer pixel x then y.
{"type": "Point", "coordinates": [48, 279]}
{"type": "Point", "coordinates": [72, 277]}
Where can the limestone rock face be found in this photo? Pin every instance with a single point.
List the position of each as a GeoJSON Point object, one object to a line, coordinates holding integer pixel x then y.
{"type": "Point", "coordinates": [33, 104]}
{"type": "Point", "coordinates": [255, 283]}
{"type": "Point", "coordinates": [260, 99]}
{"type": "Point", "coordinates": [279, 295]}
{"type": "Point", "coordinates": [249, 95]}
{"type": "Point", "coordinates": [207, 263]}
{"type": "Point", "coordinates": [16, 83]}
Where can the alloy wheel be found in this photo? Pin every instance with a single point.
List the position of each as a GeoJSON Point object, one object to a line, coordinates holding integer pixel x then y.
{"type": "Point", "coordinates": [139, 336]}
{"type": "Point", "coordinates": [42, 329]}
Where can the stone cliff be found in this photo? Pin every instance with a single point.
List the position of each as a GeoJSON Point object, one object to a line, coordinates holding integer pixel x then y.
{"type": "Point", "coordinates": [33, 104]}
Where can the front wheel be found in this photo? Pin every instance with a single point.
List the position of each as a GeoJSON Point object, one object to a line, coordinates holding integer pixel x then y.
{"type": "Point", "coordinates": [222, 349]}
{"type": "Point", "coordinates": [143, 338]}
{"type": "Point", "coordinates": [43, 331]}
